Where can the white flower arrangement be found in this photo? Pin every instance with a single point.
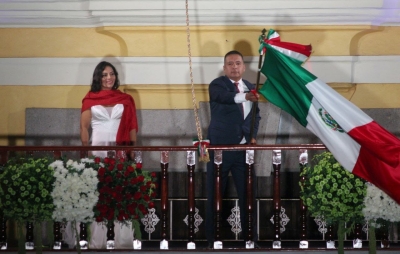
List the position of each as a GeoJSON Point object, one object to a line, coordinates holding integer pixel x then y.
{"type": "Point", "coordinates": [75, 190]}
{"type": "Point", "coordinates": [378, 205]}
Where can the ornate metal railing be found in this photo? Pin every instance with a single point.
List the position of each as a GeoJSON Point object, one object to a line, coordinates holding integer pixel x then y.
{"type": "Point", "coordinates": [7, 151]}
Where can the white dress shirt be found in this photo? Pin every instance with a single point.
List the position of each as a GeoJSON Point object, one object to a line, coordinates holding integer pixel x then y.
{"type": "Point", "coordinates": [241, 98]}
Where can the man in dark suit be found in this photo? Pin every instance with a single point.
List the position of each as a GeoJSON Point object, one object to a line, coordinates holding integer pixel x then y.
{"type": "Point", "coordinates": [231, 102]}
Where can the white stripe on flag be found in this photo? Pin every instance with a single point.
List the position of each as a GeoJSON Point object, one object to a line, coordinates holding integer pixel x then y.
{"type": "Point", "coordinates": [340, 144]}
{"type": "Point", "coordinates": [291, 53]}
{"type": "Point", "coordinates": [273, 35]}
{"type": "Point", "coordinates": [345, 113]}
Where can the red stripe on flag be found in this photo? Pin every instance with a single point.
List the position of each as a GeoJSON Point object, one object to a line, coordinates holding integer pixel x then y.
{"type": "Point", "coordinates": [375, 171]}
{"type": "Point", "coordinates": [299, 48]}
{"type": "Point", "coordinates": [381, 143]}
{"type": "Point", "coordinates": [378, 160]}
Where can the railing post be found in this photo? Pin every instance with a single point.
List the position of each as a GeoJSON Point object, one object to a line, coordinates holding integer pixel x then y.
{"type": "Point", "coordinates": [110, 244]}
{"type": "Point", "coordinates": [4, 157]}
{"type": "Point", "coordinates": [3, 221]}
{"type": "Point", "coordinates": [217, 198]}
{"type": "Point", "coordinates": [164, 200]}
{"type": "Point", "coordinates": [3, 232]}
{"type": "Point", "coordinates": [191, 162]}
{"type": "Point", "coordinates": [57, 235]}
{"type": "Point", "coordinates": [303, 160]}
{"type": "Point", "coordinates": [83, 154]}
{"type": "Point", "coordinates": [249, 199]}
{"type": "Point", "coordinates": [357, 241]}
{"type": "Point", "coordinates": [29, 244]}
{"type": "Point", "coordinates": [137, 244]}
{"type": "Point", "coordinates": [385, 244]}
{"type": "Point", "coordinates": [330, 242]}
{"type": "Point", "coordinates": [83, 241]}
{"type": "Point", "coordinates": [57, 155]}
{"type": "Point", "coordinates": [276, 160]}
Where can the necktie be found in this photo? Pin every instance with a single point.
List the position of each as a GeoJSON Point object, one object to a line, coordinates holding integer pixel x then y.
{"type": "Point", "coordinates": [241, 104]}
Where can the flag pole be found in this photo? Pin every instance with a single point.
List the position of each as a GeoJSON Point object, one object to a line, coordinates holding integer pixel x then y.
{"type": "Point", "coordinates": [255, 104]}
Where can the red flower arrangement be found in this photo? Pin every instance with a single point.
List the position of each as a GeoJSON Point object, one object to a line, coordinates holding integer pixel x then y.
{"type": "Point", "coordinates": [125, 191]}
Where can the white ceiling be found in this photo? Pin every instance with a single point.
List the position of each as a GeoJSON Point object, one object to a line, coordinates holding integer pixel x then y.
{"type": "Point", "coordinates": [95, 13]}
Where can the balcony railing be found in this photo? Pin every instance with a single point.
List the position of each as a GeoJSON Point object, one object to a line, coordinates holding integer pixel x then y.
{"type": "Point", "coordinates": [7, 152]}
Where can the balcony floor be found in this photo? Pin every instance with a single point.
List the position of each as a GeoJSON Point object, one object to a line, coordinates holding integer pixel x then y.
{"type": "Point", "coordinates": [152, 247]}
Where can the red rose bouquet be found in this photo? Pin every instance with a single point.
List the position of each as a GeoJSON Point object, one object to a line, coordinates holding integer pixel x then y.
{"type": "Point", "coordinates": [125, 191]}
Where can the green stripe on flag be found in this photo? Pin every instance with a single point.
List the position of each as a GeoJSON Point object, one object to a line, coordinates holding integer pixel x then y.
{"type": "Point", "coordinates": [286, 84]}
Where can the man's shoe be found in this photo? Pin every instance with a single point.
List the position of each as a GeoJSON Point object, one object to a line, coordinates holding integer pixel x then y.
{"type": "Point", "coordinates": [210, 246]}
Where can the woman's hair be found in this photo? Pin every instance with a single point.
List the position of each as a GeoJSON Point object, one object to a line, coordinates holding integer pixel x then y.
{"type": "Point", "coordinates": [98, 75]}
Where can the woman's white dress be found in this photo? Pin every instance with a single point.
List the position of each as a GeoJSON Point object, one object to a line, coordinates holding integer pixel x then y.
{"type": "Point", "coordinates": [105, 122]}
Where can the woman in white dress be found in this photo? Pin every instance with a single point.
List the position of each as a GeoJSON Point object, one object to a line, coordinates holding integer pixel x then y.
{"type": "Point", "coordinates": [112, 116]}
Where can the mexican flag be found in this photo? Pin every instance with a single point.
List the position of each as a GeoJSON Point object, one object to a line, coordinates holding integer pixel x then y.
{"type": "Point", "coordinates": [357, 142]}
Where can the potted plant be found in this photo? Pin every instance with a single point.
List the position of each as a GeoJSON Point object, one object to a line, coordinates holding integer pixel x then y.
{"type": "Point", "coordinates": [75, 192]}
{"type": "Point", "coordinates": [379, 211]}
{"type": "Point", "coordinates": [333, 193]}
{"type": "Point", "coordinates": [26, 184]}
{"type": "Point", "coordinates": [125, 193]}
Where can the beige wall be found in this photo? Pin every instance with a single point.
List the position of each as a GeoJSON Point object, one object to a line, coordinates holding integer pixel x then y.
{"type": "Point", "coordinates": [205, 40]}
{"type": "Point", "coordinates": [172, 42]}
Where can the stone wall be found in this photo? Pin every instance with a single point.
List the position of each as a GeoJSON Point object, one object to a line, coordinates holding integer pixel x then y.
{"type": "Point", "coordinates": [50, 126]}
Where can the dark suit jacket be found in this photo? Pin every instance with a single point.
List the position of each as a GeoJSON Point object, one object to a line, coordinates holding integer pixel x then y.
{"type": "Point", "coordinates": [227, 126]}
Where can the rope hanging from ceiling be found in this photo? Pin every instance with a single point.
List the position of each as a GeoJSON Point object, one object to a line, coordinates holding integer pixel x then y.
{"type": "Point", "coordinates": [199, 142]}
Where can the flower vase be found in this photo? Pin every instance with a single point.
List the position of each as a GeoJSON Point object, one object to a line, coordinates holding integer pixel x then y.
{"type": "Point", "coordinates": [83, 241]}
{"type": "Point", "coordinates": [29, 244]}
{"type": "Point", "coordinates": [110, 235]}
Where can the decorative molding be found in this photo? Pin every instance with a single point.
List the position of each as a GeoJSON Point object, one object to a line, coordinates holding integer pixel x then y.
{"type": "Point", "coordinates": [175, 70]}
{"type": "Point", "coordinates": [343, 87]}
{"type": "Point", "coordinates": [97, 13]}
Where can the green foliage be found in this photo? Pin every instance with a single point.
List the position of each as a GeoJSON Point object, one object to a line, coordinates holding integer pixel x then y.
{"type": "Point", "coordinates": [25, 188]}
{"type": "Point", "coordinates": [331, 191]}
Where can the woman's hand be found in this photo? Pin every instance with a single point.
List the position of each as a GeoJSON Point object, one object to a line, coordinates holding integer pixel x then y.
{"type": "Point", "coordinates": [86, 116]}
